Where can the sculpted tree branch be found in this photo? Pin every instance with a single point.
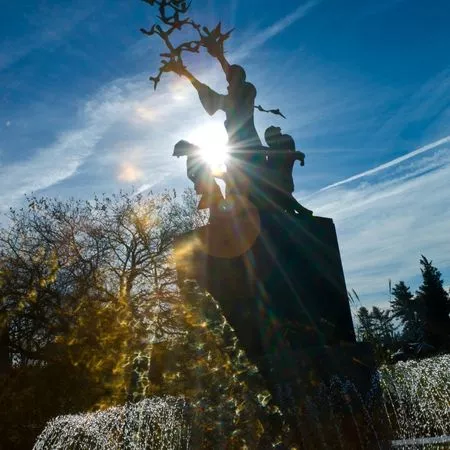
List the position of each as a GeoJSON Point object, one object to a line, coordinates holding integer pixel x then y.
{"type": "Point", "coordinates": [277, 112]}
{"type": "Point", "coordinates": [173, 17]}
{"type": "Point", "coordinates": [170, 15]}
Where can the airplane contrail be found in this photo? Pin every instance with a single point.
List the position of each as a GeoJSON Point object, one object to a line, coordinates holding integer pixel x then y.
{"type": "Point", "coordinates": [394, 162]}
{"type": "Point", "coordinates": [276, 28]}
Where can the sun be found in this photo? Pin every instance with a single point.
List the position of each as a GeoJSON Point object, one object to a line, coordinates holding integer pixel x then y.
{"type": "Point", "coordinates": [212, 140]}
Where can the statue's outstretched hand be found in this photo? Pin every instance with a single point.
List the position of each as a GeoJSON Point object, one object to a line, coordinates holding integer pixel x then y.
{"type": "Point", "coordinates": [215, 49]}
{"type": "Point", "coordinates": [300, 156]}
{"type": "Point", "coordinates": [175, 66]}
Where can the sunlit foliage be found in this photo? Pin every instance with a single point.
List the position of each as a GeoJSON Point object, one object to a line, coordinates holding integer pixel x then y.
{"type": "Point", "coordinates": [377, 327]}
{"type": "Point", "coordinates": [85, 289]}
{"type": "Point", "coordinates": [230, 403]}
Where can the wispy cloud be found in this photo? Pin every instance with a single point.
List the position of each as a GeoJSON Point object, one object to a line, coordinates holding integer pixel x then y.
{"type": "Point", "coordinates": [276, 28]}
{"type": "Point", "coordinates": [52, 164]}
{"type": "Point", "coordinates": [391, 163]}
{"type": "Point", "coordinates": [52, 25]}
{"type": "Point", "coordinates": [125, 134]}
{"type": "Point", "coordinates": [385, 223]}
{"type": "Point", "coordinates": [421, 107]}
{"type": "Point", "coordinates": [121, 129]}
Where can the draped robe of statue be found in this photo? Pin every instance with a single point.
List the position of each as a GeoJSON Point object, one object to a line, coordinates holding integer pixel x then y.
{"type": "Point", "coordinates": [243, 138]}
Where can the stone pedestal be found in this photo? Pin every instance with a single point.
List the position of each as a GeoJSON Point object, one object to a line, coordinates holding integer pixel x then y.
{"type": "Point", "coordinates": [287, 288]}
{"type": "Point", "coordinates": [280, 284]}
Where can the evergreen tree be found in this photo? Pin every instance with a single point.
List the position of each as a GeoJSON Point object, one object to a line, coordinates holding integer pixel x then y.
{"type": "Point", "coordinates": [404, 307]}
{"type": "Point", "coordinates": [364, 328]}
{"type": "Point", "coordinates": [383, 327]}
{"type": "Point", "coordinates": [435, 305]}
{"type": "Point", "coordinates": [377, 328]}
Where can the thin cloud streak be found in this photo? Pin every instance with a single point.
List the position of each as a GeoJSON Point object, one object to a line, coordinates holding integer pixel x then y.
{"type": "Point", "coordinates": [120, 138]}
{"type": "Point", "coordinates": [385, 223]}
{"type": "Point", "coordinates": [391, 163]}
{"type": "Point", "coordinates": [48, 166]}
{"type": "Point", "coordinates": [275, 29]}
{"type": "Point", "coordinates": [50, 32]}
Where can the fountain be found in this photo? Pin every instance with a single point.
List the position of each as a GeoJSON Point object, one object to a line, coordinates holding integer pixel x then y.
{"type": "Point", "coordinates": [155, 423]}
{"type": "Point", "coordinates": [273, 267]}
{"type": "Point", "coordinates": [416, 401]}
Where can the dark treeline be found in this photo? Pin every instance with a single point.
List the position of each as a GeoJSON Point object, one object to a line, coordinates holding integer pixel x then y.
{"type": "Point", "coordinates": [415, 324]}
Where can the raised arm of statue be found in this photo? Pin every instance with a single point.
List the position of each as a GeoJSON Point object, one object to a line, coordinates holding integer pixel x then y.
{"type": "Point", "coordinates": [210, 99]}
{"type": "Point", "coordinates": [224, 63]}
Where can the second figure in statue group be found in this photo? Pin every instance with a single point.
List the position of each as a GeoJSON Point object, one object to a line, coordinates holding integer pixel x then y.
{"type": "Point", "coordinates": [260, 175]}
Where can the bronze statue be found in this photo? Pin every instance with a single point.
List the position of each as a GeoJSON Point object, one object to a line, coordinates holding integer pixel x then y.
{"type": "Point", "coordinates": [245, 145]}
{"type": "Point", "coordinates": [249, 160]}
{"type": "Point", "coordinates": [238, 106]}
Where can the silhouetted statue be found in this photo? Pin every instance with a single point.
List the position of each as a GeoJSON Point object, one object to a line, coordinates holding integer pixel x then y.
{"type": "Point", "coordinates": [239, 105]}
{"type": "Point", "coordinates": [280, 163]}
{"type": "Point", "coordinates": [246, 166]}
{"type": "Point", "coordinates": [201, 175]}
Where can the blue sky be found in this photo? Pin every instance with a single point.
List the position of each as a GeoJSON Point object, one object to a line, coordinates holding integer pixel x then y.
{"type": "Point", "coordinates": [365, 87]}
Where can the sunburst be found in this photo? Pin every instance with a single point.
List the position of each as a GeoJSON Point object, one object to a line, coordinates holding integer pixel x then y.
{"type": "Point", "coordinates": [212, 140]}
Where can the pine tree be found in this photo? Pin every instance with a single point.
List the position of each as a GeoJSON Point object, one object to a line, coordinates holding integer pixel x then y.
{"type": "Point", "coordinates": [435, 305]}
{"type": "Point", "coordinates": [404, 307]}
{"type": "Point", "coordinates": [364, 328]}
{"type": "Point", "coordinates": [376, 327]}
{"type": "Point", "coordinates": [382, 325]}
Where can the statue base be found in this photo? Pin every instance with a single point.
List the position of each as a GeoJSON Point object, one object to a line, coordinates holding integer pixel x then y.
{"type": "Point", "coordinates": [278, 279]}
{"type": "Point", "coordinates": [280, 284]}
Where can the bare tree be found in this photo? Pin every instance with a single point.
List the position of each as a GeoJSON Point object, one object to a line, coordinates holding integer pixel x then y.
{"type": "Point", "coordinates": [77, 275]}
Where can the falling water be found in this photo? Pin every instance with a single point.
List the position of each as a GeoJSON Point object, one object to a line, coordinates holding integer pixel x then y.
{"type": "Point", "coordinates": [337, 416]}
{"type": "Point", "coordinates": [408, 407]}
{"type": "Point", "coordinates": [416, 398]}
{"type": "Point", "coordinates": [155, 423]}
{"type": "Point", "coordinates": [414, 405]}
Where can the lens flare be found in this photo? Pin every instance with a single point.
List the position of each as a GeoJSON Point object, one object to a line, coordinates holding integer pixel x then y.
{"type": "Point", "coordinates": [129, 172]}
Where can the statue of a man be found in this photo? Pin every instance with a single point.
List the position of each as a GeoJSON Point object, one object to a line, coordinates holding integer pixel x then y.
{"type": "Point", "coordinates": [238, 105]}
{"type": "Point", "coordinates": [280, 162]}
